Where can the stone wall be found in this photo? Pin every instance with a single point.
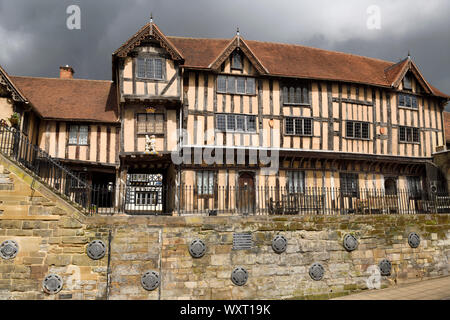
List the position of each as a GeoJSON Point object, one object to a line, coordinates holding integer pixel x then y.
{"type": "Point", "coordinates": [53, 236]}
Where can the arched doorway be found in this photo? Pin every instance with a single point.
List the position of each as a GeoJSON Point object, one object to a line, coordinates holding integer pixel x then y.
{"type": "Point", "coordinates": [246, 193]}
{"type": "Point", "coordinates": [390, 186]}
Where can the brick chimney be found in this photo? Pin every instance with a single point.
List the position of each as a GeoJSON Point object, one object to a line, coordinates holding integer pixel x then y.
{"type": "Point", "coordinates": [66, 72]}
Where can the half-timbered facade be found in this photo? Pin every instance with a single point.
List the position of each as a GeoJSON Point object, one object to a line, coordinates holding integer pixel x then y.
{"type": "Point", "coordinates": [327, 119]}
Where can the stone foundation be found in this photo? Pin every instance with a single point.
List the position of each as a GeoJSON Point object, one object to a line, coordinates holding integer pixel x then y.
{"type": "Point", "coordinates": [52, 238]}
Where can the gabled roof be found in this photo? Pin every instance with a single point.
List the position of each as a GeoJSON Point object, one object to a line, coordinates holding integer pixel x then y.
{"type": "Point", "coordinates": [11, 87]}
{"type": "Point", "coordinates": [238, 42]}
{"type": "Point", "coordinates": [288, 60]}
{"type": "Point", "coordinates": [70, 99]}
{"type": "Point", "coordinates": [147, 31]}
{"type": "Point", "coordinates": [397, 72]}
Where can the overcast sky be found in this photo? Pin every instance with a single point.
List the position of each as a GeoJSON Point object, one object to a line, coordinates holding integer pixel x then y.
{"type": "Point", "coordinates": [36, 41]}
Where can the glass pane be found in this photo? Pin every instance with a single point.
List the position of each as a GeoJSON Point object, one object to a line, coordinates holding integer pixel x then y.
{"type": "Point", "coordinates": [150, 123]}
{"type": "Point", "coordinates": [141, 68]}
{"type": "Point", "coordinates": [416, 135]}
{"type": "Point", "coordinates": [240, 85]}
{"type": "Point", "coordinates": [350, 129]}
{"type": "Point", "coordinates": [222, 84]}
{"type": "Point", "coordinates": [199, 182]}
{"type": "Point", "coordinates": [305, 95]}
{"type": "Point", "coordinates": [357, 130]}
{"type": "Point", "coordinates": [237, 61]}
{"type": "Point", "coordinates": [307, 126]}
{"type": "Point", "coordinates": [298, 126]}
{"type": "Point", "coordinates": [240, 123]}
{"type": "Point", "coordinates": [401, 99]}
{"type": "Point", "coordinates": [73, 132]}
{"type": "Point", "coordinates": [231, 122]}
{"type": "Point", "coordinates": [298, 95]}
{"type": "Point", "coordinates": [402, 134]}
{"type": "Point", "coordinates": [291, 95]}
{"type": "Point", "coordinates": [83, 135]}
{"type": "Point", "coordinates": [250, 85]}
{"type": "Point", "coordinates": [251, 123]}
{"type": "Point", "coordinates": [150, 68]}
{"type": "Point", "coordinates": [159, 123]}
{"type": "Point", "coordinates": [289, 126]}
{"type": "Point", "coordinates": [231, 85]}
{"type": "Point", "coordinates": [205, 182]}
{"type": "Point", "coordinates": [211, 182]}
{"type": "Point", "coordinates": [365, 131]}
{"type": "Point", "coordinates": [221, 124]}
{"type": "Point", "coordinates": [158, 69]}
{"type": "Point", "coordinates": [141, 123]}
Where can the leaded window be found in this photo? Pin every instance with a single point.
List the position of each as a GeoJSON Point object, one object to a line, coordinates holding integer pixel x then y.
{"type": "Point", "coordinates": [409, 135]}
{"type": "Point", "coordinates": [205, 182]}
{"type": "Point", "coordinates": [296, 181]}
{"type": "Point", "coordinates": [235, 85]}
{"type": "Point", "coordinates": [235, 123]}
{"type": "Point", "coordinates": [150, 68]}
{"type": "Point", "coordinates": [296, 94]}
{"type": "Point", "coordinates": [407, 100]}
{"type": "Point", "coordinates": [78, 135]}
{"type": "Point", "coordinates": [357, 130]}
{"type": "Point", "coordinates": [298, 126]}
{"type": "Point", "coordinates": [150, 123]}
{"type": "Point", "coordinates": [349, 184]}
{"type": "Point", "coordinates": [236, 61]}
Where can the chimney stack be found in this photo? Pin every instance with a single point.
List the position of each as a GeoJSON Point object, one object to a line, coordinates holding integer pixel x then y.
{"type": "Point", "coordinates": [66, 72]}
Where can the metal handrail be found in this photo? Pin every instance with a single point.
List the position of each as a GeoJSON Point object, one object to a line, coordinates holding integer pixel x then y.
{"type": "Point", "coordinates": [16, 146]}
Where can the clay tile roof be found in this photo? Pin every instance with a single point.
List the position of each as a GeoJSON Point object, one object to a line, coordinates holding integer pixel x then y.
{"type": "Point", "coordinates": [447, 126]}
{"type": "Point", "coordinates": [70, 99]}
{"type": "Point", "coordinates": [298, 61]}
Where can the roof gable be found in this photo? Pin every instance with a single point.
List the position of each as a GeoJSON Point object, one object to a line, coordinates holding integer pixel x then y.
{"type": "Point", "coordinates": [11, 87]}
{"type": "Point", "coordinates": [149, 31]}
{"type": "Point", "coordinates": [396, 73]}
{"type": "Point", "coordinates": [238, 42]}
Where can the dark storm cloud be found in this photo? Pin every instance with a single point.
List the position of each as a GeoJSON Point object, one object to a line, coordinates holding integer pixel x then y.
{"type": "Point", "coordinates": [35, 40]}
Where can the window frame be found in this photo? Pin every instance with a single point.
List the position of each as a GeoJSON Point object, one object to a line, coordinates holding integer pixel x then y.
{"type": "Point", "coordinates": [354, 127]}
{"type": "Point", "coordinates": [414, 132]}
{"type": "Point", "coordinates": [236, 116]}
{"type": "Point", "coordinates": [241, 61]}
{"type": "Point", "coordinates": [291, 176]}
{"type": "Point", "coordinates": [209, 190]}
{"type": "Point", "coordinates": [294, 125]}
{"type": "Point", "coordinates": [78, 135]}
{"type": "Point", "coordinates": [154, 132]}
{"type": "Point", "coordinates": [234, 79]}
{"type": "Point", "coordinates": [301, 90]}
{"type": "Point", "coordinates": [408, 98]}
{"type": "Point", "coordinates": [146, 60]}
{"type": "Point", "coordinates": [346, 178]}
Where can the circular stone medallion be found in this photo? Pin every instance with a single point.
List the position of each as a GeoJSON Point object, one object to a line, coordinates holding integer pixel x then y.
{"type": "Point", "coordinates": [350, 242]}
{"type": "Point", "coordinates": [239, 276]}
{"type": "Point", "coordinates": [96, 249]}
{"type": "Point", "coordinates": [197, 248]}
{"type": "Point", "coordinates": [413, 240]}
{"type": "Point", "coordinates": [52, 284]}
{"type": "Point", "coordinates": [9, 249]}
{"type": "Point", "coordinates": [279, 244]}
{"type": "Point", "coordinates": [150, 280]}
{"type": "Point", "coordinates": [385, 267]}
{"type": "Point", "coordinates": [316, 271]}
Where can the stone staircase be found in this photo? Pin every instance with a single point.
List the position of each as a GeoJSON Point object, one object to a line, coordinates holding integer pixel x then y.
{"type": "Point", "coordinates": [19, 199]}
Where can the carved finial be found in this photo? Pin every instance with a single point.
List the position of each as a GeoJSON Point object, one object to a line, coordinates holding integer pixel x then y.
{"type": "Point", "coordinates": [151, 17]}
{"type": "Point", "coordinates": [409, 54]}
{"type": "Point", "coordinates": [238, 36]}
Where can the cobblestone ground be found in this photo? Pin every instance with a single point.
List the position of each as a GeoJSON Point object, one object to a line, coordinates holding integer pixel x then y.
{"type": "Point", "coordinates": [436, 289]}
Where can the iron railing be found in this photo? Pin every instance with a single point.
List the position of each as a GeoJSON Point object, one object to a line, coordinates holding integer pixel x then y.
{"type": "Point", "coordinates": [212, 200]}
{"type": "Point", "coordinates": [235, 200]}
{"type": "Point", "coordinates": [17, 147]}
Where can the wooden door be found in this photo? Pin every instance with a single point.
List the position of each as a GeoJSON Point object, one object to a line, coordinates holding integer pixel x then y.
{"type": "Point", "coordinates": [246, 193]}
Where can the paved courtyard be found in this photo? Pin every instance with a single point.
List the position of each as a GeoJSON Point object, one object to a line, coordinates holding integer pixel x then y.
{"type": "Point", "coordinates": [436, 289]}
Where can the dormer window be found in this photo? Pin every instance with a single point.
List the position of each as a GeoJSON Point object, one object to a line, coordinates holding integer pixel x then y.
{"type": "Point", "coordinates": [236, 61]}
{"type": "Point", "coordinates": [407, 83]}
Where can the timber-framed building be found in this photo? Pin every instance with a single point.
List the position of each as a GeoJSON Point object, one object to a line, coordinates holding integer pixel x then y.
{"type": "Point", "coordinates": [334, 120]}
